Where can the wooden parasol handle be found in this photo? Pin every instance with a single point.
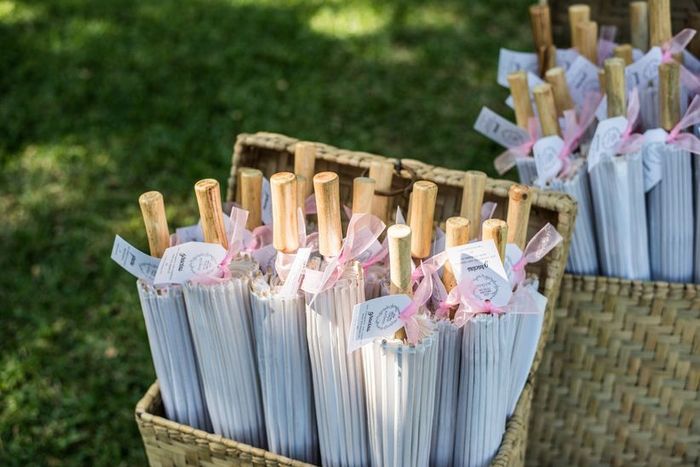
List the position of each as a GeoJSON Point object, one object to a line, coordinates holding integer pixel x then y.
{"type": "Point", "coordinates": [302, 183]}
{"type": "Point", "coordinates": [305, 163]}
{"type": "Point", "coordinates": [399, 239]}
{"type": "Point", "coordinates": [562, 97]}
{"type": "Point", "coordinates": [472, 199]}
{"type": "Point", "coordinates": [327, 192]}
{"type": "Point", "coordinates": [519, 204]}
{"type": "Point", "coordinates": [520, 91]}
{"type": "Point", "coordinates": [456, 233]}
{"type": "Point", "coordinates": [639, 25]}
{"type": "Point", "coordinates": [547, 109]}
{"type": "Point", "coordinates": [382, 172]}
{"type": "Point", "coordinates": [615, 87]}
{"type": "Point", "coordinates": [285, 225]}
{"type": "Point", "coordinates": [659, 22]}
{"type": "Point", "coordinates": [155, 221]}
{"type": "Point", "coordinates": [422, 216]}
{"type": "Point", "coordinates": [362, 195]}
{"type": "Point", "coordinates": [587, 32]}
{"type": "Point", "coordinates": [209, 202]}
{"type": "Point", "coordinates": [496, 230]}
{"type": "Point", "coordinates": [251, 196]}
{"type": "Point", "coordinates": [624, 51]}
{"type": "Point", "coordinates": [578, 13]}
{"type": "Point", "coordinates": [669, 95]}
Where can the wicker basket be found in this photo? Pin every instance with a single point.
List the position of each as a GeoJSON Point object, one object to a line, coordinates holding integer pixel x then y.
{"type": "Point", "coordinates": [619, 380]}
{"type": "Point", "coordinates": [613, 13]}
{"type": "Point", "coordinates": [169, 443]}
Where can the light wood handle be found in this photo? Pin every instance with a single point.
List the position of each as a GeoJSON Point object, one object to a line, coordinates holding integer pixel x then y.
{"type": "Point", "coordinates": [382, 172]}
{"type": "Point", "coordinates": [399, 236]}
{"type": "Point", "coordinates": [251, 196]}
{"type": "Point", "coordinates": [601, 80]}
{"type": "Point", "coordinates": [519, 203]}
{"type": "Point", "coordinates": [669, 95]}
{"type": "Point", "coordinates": [541, 26]}
{"type": "Point", "coordinates": [209, 202]}
{"type": "Point", "coordinates": [155, 221]}
{"type": "Point", "coordinates": [422, 217]}
{"type": "Point", "coordinates": [520, 91]}
{"type": "Point", "coordinates": [285, 225]}
{"type": "Point", "coordinates": [362, 195]}
{"type": "Point", "coordinates": [496, 230]}
{"type": "Point", "coordinates": [302, 183]}
{"type": "Point", "coordinates": [238, 183]}
{"type": "Point", "coordinates": [546, 108]}
{"type": "Point", "coordinates": [327, 192]}
{"type": "Point", "coordinates": [399, 239]}
{"type": "Point", "coordinates": [305, 163]}
{"type": "Point", "coordinates": [472, 199]}
{"type": "Point", "coordinates": [562, 98]}
{"type": "Point", "coordinates": [588, 34]}
{"type": "Point", "coordinates": [624, 51]}
{"type": "Point", "coordinates": [615, 87]}
{"type": "Point", "coordinates": [639, 25]}
{"type": "Point", "coordinates": [578, 13]}
{"type": "Point", "coordinates": [659, 22]}
{"type": "Point", "coordinates": [456, 233]}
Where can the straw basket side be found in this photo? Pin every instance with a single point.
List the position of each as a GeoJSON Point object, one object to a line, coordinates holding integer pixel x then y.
{"type": "Point", "coordinates": [613, 13]}
{"type": "Point", "coordinates": [168, 443]}
{"type": "Point", "coordinates": [618, 384]}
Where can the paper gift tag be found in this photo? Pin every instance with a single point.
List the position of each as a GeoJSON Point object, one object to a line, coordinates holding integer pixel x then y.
{"type": "Point", "coordinates": [644, 70]}
{"type": "Point", "coordinates": [566, 57]}
{"type": "Point", "coordinates": [546, 152]}
{"type": "Point", "coordinates": [510, 61]}
{"type": "Point", "coordinates": [375, 318]}
{"type": "Point", "coordinates": [653, 152]}
{"type": "Point", "coordinates": [481, 263]}
{"type": "Point", "coordinates": [499, 129]}
{"type": "Point", "coordinates": [605, 140]}
{"type": "Point", "coordinates": [137, 263]}
{"type": "Point", "coordinates": [183, 262]}
{"type": "Point", "coordinates": [582, 78]}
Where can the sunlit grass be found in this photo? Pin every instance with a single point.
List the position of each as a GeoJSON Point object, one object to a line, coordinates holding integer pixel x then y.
{"type": "Point", "coordinates": [350, 19]}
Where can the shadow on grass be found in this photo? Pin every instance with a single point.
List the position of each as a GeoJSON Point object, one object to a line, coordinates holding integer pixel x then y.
{"type": "Point", "coordinates": [100, 101]}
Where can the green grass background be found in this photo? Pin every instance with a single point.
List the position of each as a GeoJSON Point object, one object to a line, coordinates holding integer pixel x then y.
{"type": "Point", "coordinates": [101, 100]}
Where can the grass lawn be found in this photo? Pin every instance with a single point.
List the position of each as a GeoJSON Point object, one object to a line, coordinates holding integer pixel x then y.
{"type": "Point", "coordinates": [102, 100]}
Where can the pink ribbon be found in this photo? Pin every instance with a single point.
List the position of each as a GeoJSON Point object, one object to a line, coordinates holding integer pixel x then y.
{"type": "Point", "coordinates": [575, 129]}
{"type": "Point", "coordinates": [507, 159]}
{"type": "Point", "coordinates": [363, 230]}
{"type": "Point", "coordinates": [258, 238]}
{"type": "Point", "coordinates": [676, 45]}
{"type": "Point", "coordinates": [415, 329]}
{"type": "Point", "coordinates": [631, 142]}
{"type": "Point", "coordinates": [235, 245]}
{"type": "Point", "coordinates": [521, 302]}
{"type": "Point", "coordinates": [542, 243]}
{"type": "Point", "coordinates": [687, 141]}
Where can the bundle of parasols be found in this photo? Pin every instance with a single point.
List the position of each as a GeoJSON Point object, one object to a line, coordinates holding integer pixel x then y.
{"type": "Point", "coordinates": [294, 323]}
{"type": "Point", "coordinates": [612, 124]}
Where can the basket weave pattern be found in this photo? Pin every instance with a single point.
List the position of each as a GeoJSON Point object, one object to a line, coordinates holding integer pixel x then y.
{"type": "Point", "coordinates": [168, 443]}
{"type": "Point", "coordinates": [619, 380]}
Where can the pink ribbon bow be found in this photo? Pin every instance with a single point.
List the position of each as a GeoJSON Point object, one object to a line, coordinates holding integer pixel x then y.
{"type": "Point", "coordinates": [417, 329]}
{"type": "Point", "coordinates": [521, 302]}
{"type": "Point", "coordinates": [575, 128]}
{"type": "Point", "coordinates": [676, 45]}
{"type": "Point", "coordinates": [363, 231]}
{"type": "Point", "coordinates": [687, 141]}
{"type": "Point", "coordinates": [542, 243]}
{"type": "Point", "coordinates": [507, 159]}
{"type": "Point", "coordinates": [235, 245]}
{"type": "Point", "coordinates": [258, 238]}
{"type": "Point", "coordinates": [629, 141]}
